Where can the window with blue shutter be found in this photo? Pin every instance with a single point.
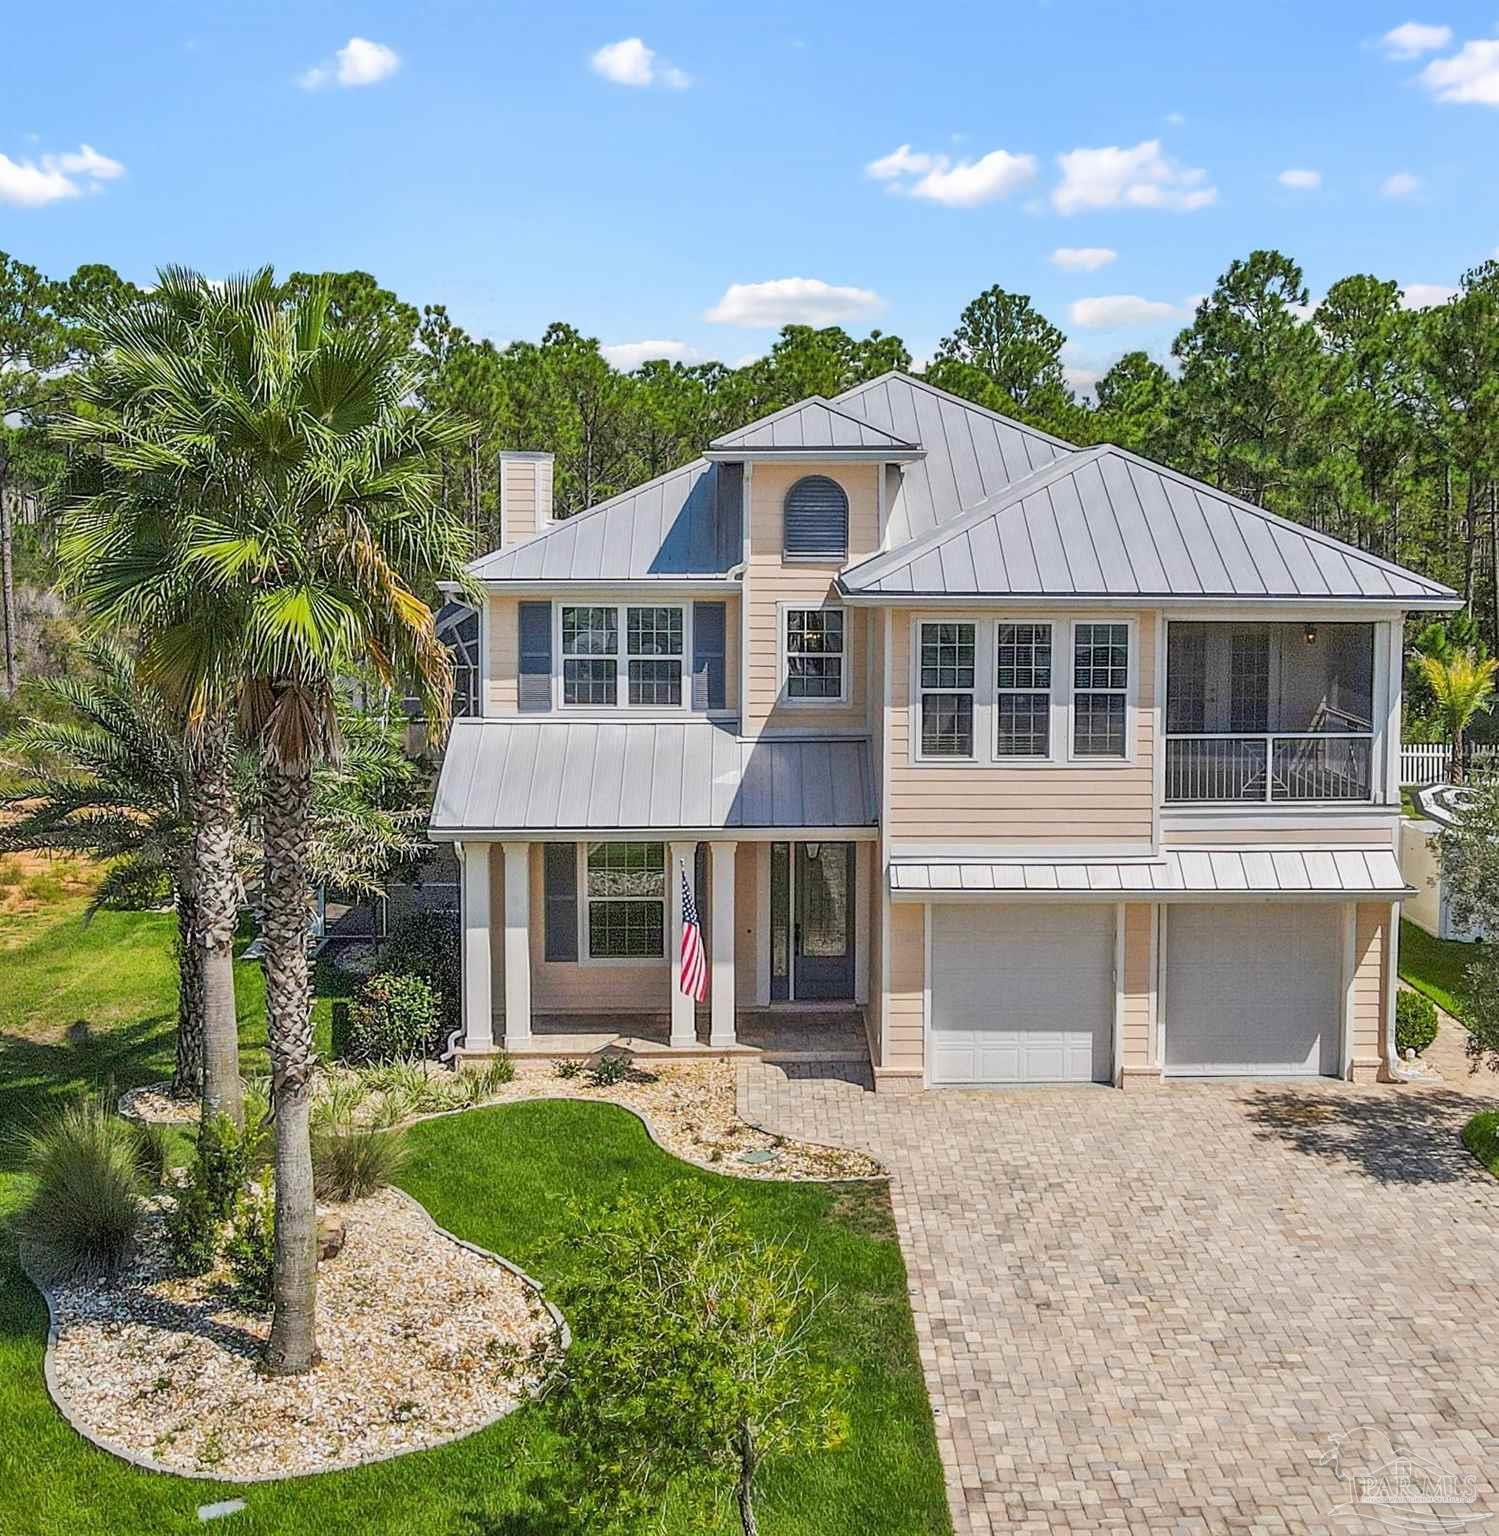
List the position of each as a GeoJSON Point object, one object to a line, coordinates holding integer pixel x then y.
{"type": "Point", "coordinates": [561, 900]}
{"type": "Point", "coordinates": [709, 626]}
{"type": "Point", "coordinates": [535, 682]}
{"type": "Point", "coordinates": [816, 519]}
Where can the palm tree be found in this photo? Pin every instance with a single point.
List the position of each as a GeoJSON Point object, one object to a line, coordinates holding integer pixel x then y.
{"type": "Point", "coordinates": [305, 519]}
{"type": "Point", "coordinates": [1462, 683]}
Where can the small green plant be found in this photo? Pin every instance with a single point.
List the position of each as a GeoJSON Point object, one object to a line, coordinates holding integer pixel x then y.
{"type": "Point", "coordinates": [478, 1086]}
{"type": "Point", "coordinates": [426, 944]}
{"type": "Point", "coordinates": [250, 1248]}
{"type": "Point", "coordinates": [352, 1161]}
{"type": "Point", "coordinates": [155, 1150]}
{"type": "Point", "coordinates": [216, 1178]}
{"type": "Point", "coordinates": [568, 1067]}
{"type": "Point", "coordinates": [608, 1071]}
{"type": "Point", "coordinates": [84, 1213]}
{"type": "Point", "coordinates": [1415, 1022]}
{"type": "Point", "coordinates": [394, 1018]}
{"type": "Point", "coordinates": [193, 1229]}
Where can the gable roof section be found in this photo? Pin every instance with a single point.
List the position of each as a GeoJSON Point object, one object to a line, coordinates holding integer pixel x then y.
{"type": "Point", "coordinates": [1103, 522]}
{"type": "Point", "coordinates": [971, 453]}
{"type": "Point", "coordinates": [682, 524]}
{"type": "Point", "coordinates": [812, 424]}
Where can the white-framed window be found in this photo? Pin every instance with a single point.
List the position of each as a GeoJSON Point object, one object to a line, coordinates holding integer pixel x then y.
{"type": "Point", "coordinates": [624, 901]}
{"type": "Point", "coordinates": [947, 673]}
{"type": "Point", "coordinates": [815, 653]}
{"type": "Point", "coordinates": [1100, 689]}
{"type": "Point", "coordinates": [1022, 690]}
{"type": "Point", "coordinates": [622, 653]}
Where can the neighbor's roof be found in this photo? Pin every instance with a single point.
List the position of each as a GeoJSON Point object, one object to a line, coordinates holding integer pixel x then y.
{"type": "Point", "coordinates": [812, 424]}
{"type": "Point", "coordinates": [1103, 522]}
{"type": "Point", "coordinates": [1184, 873]}
{"type": "Point", "coordinates": [669, 528]}
{"type": "Point", "coordinates": [503, 776]}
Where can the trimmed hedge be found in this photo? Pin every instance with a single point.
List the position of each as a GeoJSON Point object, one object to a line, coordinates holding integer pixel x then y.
{"type": "Point", "coordinates": [1481, 1138]}
{"type": "Point", "coordinates": [1415, 1022]}
{"type": "Point", "coordinates": [394, 1018]}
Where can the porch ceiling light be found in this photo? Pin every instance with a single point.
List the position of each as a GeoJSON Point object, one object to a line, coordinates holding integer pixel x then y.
{"type": "Point", "coordinates": [1309, 634]}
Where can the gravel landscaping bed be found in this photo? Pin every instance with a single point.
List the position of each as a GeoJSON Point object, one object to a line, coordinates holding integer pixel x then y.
{"type": "Point", "coordinates": [424, 1339]}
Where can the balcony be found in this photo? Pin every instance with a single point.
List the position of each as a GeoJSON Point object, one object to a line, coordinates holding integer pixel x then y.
{"type": "Point", "coordinates": [1269, 713]}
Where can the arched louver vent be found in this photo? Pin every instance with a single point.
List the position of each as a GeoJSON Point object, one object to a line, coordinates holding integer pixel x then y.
{"type": "Point", "coordinates": [816, 518]}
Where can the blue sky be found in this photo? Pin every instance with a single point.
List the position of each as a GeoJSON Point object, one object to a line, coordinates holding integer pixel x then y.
{"type": "Point", "coordinates": [659, 173]}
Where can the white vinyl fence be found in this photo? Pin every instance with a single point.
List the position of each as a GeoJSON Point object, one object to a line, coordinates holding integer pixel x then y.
{"type": "Point", "coordinates": [1425, 762]}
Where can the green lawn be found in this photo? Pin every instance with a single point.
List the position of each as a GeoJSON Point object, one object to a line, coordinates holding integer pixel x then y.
{"type": "Point", "coordinates": [1436, 967]}
{"type": "Point", "coordinates": [82, 1007]}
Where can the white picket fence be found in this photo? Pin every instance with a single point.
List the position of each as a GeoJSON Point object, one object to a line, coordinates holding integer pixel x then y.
{"type": "Point", "coordinates": [1425, 762]}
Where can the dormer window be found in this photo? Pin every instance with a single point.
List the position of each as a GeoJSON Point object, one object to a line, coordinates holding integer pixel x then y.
{"type": "Point", "coordinates": [816, 520]}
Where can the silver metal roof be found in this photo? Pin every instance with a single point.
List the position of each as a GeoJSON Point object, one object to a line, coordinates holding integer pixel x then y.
{"type": "Point", "coordinates": [971, 453]}
{"type": "Point", "coordinates": [1190, 874]}
{"type": "Point", "coordinates": [811, 423]}
{"type": "Point", "coordinates": [682, 524]}
{"type": "Point", "coordinates": [520, 776]}
{"type": "Point", "coordinates": [1103, 522]}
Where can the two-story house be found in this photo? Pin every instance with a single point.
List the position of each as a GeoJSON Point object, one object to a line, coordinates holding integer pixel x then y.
{"type": "Point", "coordinates": [1053, 764]}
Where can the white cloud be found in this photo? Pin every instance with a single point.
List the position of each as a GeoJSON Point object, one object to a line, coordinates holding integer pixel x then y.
{"type": "Point", "coordinates": [1141, 177]}
{"type": "Point", "coordinates": [1413, 38]}
{"type": "Point", "coordinates": [629, 355]}
{"type": "Point", "coordinates": [1425, 295]}
{"type": "Point", "coordinates": [1082, 258]}
{"type": "Point", "coordinates": [1471, 74]}
{"type": "Point", "coordinates": [955, 184]}
{"type": "Point", "coordinates": [1176, 119]}
{"type": "Point", "coordinates": [1115, 310]}
{"type": "Point", "coordinates": [358, 62]}
{"type": "Point", "coordinates": [1401, 184]}
{"type": "Point", "coordinates": [1082, 381]}
{"type": "Point", "coordinates": [1300, 180]}
{"type": "Point", "coordinates": [630, 62]}
{"type": "Point", "coordinates": [35, 183]}
{"type": "Point", "coordinates": [793, 301]}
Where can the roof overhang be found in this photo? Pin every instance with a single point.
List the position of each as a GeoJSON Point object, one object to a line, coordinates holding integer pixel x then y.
{"type": "Point", "coordinates": [669, 586]}
{"type": "Point", "coordinates": [882, 455]}
{"type": "Point", "coordinates": [1181, 874]}
{"type": "Point", "coordinates": [1240, 604]}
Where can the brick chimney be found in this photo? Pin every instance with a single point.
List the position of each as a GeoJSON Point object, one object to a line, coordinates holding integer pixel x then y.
{"type": "Point", "coordinates": [525, 495]}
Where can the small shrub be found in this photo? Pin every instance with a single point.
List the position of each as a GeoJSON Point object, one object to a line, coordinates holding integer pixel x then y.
{"type": "Point", "coordinates": [1481, 1138]}
{"type": "Point", "coordinates": [426, 944]}
{"type": "Point", "coordinates": [250, 1248]}
{"type": "Point", "coordinates": [155, 1151]}
{"type": "Point", "coordinates": [82, 1219]}
{"type": "Point", "coordinates": [193, 1229]}
{"type": "Point", "coordinates": [478, 1086]}
{"type": "Point", "coordinates": [607, 1071]}
{"type": "Point", "coordinates": [221, 1164]}
{"type": "Point", "coordinates": [568, 1067]}
{"type": "Point", "coordinates": [1415, 1022]}
{"type": "Point", "coordinates": [394, 1018]}
{"type": "Point", "coordinates": [217, 1176]}
{"type": "Point", "coordinates": [350, 1162]}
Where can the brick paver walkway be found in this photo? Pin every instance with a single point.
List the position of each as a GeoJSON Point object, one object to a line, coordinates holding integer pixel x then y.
{"type": "Point", "coordinates": [1157, 1310]}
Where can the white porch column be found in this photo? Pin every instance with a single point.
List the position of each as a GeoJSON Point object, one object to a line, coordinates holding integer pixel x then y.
{"type": "Point", "coordinates": [721, 1033]}
{"type": "Point", "coordinates": [683, 1009]}
{"type": "Point", "coordinates": [517, 944]}
{"type": "Point", "coordinates": [478, 1028]}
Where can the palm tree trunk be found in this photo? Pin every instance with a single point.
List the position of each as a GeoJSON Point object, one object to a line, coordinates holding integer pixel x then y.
{"type": "Point", "coordinates": [1459, 746]}
{"type": "Point", "coordinates": [216, 894]}
{"type": "Point", "coordinates": [187, 1077]}
{"type": "Point", "coordinates": [287, 900]}
{"type": "Point", "coordinates": [7, 580]}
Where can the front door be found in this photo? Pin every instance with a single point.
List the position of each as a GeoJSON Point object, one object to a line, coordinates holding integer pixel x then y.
{"type": "Point", "coordinates": [812, 906]}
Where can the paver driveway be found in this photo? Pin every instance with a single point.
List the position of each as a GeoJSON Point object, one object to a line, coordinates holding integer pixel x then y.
{"type": "Point", "coordinates": [1158, 1309]}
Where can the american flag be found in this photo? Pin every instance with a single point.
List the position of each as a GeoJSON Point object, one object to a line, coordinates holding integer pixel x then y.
{"type": "Point", "coordinates": [694, 980]}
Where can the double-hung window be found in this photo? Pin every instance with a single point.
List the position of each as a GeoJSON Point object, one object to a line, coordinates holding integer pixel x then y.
{"type": "Point", "coordinates": [815, 657]}
{"type": "Point", "coordinates": [1100, 690]}
{"type": "Point", "coordinates": [608, 648]}
{"type": "Point", "coordinates": [626, 893]}
{"type": "Point", "coordinates": [1022, 690]}
{"type": "Point", "coordinates": [949, 654]}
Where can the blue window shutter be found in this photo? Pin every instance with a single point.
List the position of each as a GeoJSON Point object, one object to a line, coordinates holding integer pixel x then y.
{"type": "Point", "coordinates": [816, 518]}
{"type": "Point", "coordinates": [561, 900]}
{"type": "Point", "coordinates": [535, 686]}
{"type": "Point", "coordinates": [709, 623]}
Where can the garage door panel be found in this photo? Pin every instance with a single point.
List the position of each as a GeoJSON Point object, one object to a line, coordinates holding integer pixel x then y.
{"type": "Point", "coordinates": [1254, 989]}
{"type": "Point", "coordinates": [1022, 993]}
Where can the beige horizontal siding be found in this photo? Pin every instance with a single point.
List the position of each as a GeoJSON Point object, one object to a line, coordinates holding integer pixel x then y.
{"type": "Point", "coordinates": [770, 582]}
{"type": "Point", "coordinates": [1249, 830]}
{"type": "Point", "coordinates": [1108, 802]}
{"type": "Point", "coordinates": [904, 1024]}
{"type": "Point", "coordinates": [1370, 947]}
{"type": "Point", "coordinates": [1138, 988]}
{"type": "Point", "coordinates": [526, 494]}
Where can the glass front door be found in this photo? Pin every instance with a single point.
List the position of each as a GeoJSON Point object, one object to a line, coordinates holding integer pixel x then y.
{"type": "Point", "coordinates": [811, 921]}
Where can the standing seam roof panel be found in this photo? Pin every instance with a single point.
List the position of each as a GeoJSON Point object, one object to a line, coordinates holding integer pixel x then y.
{"type": "Point", "coordinates": [1134, 527]}
{"type": "Point", "coordinates": [1176, 561]}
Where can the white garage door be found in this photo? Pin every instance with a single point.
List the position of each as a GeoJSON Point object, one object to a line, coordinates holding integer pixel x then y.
{"type": "Point", "coordinates": [1254, 989]}
{"type": "Point", "coordinates": [1022, 994]}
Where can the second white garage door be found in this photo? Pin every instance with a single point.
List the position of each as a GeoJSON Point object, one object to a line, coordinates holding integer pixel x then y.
{"type": "Point", "coordinates": [1254, 988]}
{"type": "Point", "coordinates": [1022, 994]}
